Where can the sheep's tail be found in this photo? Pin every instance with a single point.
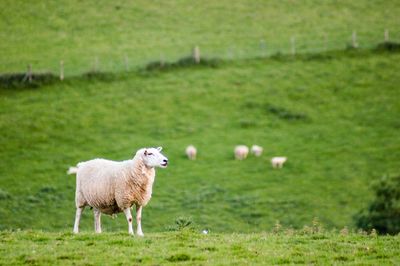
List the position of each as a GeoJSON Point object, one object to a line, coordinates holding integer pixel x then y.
{"type": "Point", "coordinates": [72, 170]}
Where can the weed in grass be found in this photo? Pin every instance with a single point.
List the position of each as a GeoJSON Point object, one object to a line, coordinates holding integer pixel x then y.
{"type": "Point", "coordinates": [341, 258]}
{"type": "Point", "coordinates": [344, 231]}
{"type": "Point", "coordinates": [285, 114]}
{"type": "Point", "coordinates": [210, 249]}
{"type": "Point", "coordinates": [178, 257]}
{"type": "Point", "coordinates": [277, 227]}
{"type": "Point", "coordinates": [246, 123]}
{"type": "Point", "coordinates": [4, 195]}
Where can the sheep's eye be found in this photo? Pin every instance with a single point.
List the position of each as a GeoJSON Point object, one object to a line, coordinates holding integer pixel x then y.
{"type": "Point", "coordinates": [149, 154]}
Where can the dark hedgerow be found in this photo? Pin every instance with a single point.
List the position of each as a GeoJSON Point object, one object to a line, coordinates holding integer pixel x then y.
{"type": "Point", "coordinates": [22, 80]}
{"type": "Point", "coordinates": [383, 213]}
{"type": "Point", "coordinates": [183, 62]}
{"type": "Point", "coordinates": [98, 75]}
{"type": "Point", "coordinates": [388, 46]}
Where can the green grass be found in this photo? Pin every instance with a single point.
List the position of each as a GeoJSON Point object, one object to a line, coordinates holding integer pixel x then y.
{"type": "Point", "coordinates": [346, 138]}
{"type": "Point", "coordinates": [44, 33]}
{"type": "Point", "coordinates": [190, 248]}
{"type": "Point", "coordinates": [335, 115]}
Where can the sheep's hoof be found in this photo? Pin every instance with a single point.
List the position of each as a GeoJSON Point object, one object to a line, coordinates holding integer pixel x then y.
{"type": "Point", "coordinates": [140, 234]}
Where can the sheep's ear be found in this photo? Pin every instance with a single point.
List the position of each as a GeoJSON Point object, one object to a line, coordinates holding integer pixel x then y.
{"type": "Point", "coordinates": [145, 152]}
{"type": "Point", "coordinates": [159, 148]}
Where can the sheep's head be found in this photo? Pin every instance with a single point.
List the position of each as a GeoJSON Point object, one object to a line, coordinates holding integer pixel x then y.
{"type": "Point", "coordinates": [152, 157]}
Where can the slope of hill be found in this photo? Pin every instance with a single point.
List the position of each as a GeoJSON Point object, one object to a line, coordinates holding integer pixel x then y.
{"type": "Point", "coordinates": [334, 116]}
{"type": "Point", "coordinates": [77, 31]}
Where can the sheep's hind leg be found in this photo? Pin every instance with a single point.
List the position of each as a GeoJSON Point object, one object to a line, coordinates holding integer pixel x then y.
{"type": "Point", "coordinates": [128, 215]}
{"type": "Point", "coordinates": [97, 222]}
{"type": "Point", "coordinates": [78, 214]}
{"type": "Point", "coordinates": [139, 220]}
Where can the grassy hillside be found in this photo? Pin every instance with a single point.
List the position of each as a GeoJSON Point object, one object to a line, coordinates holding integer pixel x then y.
{"type": "Point", "coordinates": [77, 31]}
{"type": "Point", "coordinates": [187, 248]}
{"type": "Point", "coordinates": [334, 116]}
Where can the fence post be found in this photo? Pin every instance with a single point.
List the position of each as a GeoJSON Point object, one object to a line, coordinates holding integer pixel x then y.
{"type": "Point", "coordinates": [196, 54]}
{"type": "Point", "coordinates": [325, 42]}
{"type": "Point", "coordinates": [229, 53]}
{"type": "Point", "coordinates": [293, 43]}
{"type": "Point", "coordinates": [126, 62]}
{"type": "Point", "coordinates": [96, 64]}
{"type": "Point", "coordinates": [386, 35]}
{"type": "Point", "coordinates": [61, 70]}
{"type": "Point", "coordinates": [262, 48]}
{"type": "Point", "coordinates": [354, 39]}
{"type": "Point", "coordinates": [29, 74]}
{"type": "Point", "coordinates": [162, 60]}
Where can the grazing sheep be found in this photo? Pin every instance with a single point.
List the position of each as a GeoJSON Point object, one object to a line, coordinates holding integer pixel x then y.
{"type": "Point", "coordinates": [111, 187]}
{"type": "Point", "coordinates": [241, 152]}
{"type": "Point", "coordinates": [277, 162]}
{"type": "Point", "coordinates": [256, 150]}
{"type": "Point", "coordinates": [191, 152]}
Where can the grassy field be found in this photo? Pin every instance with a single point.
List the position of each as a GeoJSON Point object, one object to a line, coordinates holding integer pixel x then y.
{"type": "Point", "coordinates": [77, 31]}
{"type": "Point", "coordinates": [190, 248]}
{"type": "Point", "coordinates": [334, 112]}
{"type": "Point", "coordinates": [334, 116]}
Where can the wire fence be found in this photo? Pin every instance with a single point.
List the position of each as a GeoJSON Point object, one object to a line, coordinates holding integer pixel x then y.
{"type": "Point", "coordinates": [77, 63]}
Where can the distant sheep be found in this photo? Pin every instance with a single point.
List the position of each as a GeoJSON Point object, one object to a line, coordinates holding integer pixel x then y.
{"type": "Point", "coordinates": [277, 162]}
{"type": "Point", "coordinates": [191, 152]}
{"type": "Point", "coordinates": [111, 187]}
{"type": "Point", "coordinates": [241, 152]}
{"type": "Point", "coordinates": [256, 150]}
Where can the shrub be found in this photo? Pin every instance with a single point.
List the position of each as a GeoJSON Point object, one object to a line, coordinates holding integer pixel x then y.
{"type": "Point", "coordinates": [383, 213]}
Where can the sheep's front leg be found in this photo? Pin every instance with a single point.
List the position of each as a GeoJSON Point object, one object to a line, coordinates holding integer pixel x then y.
{"type": "Point", "coordinates": [78, 214]}
{"type": "Point", "coordinates": [97, 222]}
{"type": "Point", "coordinates": [128, 215]}
{"type": "Point", "coordinates": [139, 220]}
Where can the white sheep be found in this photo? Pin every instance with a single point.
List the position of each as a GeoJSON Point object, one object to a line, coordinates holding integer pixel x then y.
{"type": "Point", "coordinates": [277, 162]}
{"type": "Point", "coordinates": [241, 152]}
{"type": "Point", "coordinates": [256, 150]}
{"type": "Point", "coordinates": [111, 187]}
{"type": "Point", "coordinates": [191, 152]}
